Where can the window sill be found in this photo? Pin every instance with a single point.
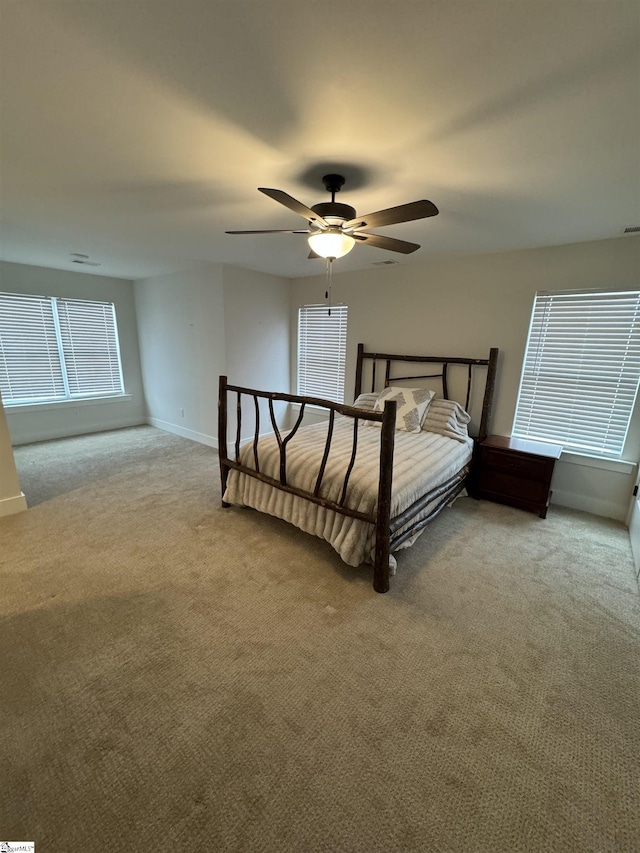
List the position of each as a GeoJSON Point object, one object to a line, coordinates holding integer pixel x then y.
{"type": "Point", "coordinates": [622, 466]}
{"type": "Point", "coordinates": [63, 404]}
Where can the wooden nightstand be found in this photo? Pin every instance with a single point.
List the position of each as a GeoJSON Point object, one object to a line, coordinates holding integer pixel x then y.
{"type": "Point", "coordinates": [515, 471]}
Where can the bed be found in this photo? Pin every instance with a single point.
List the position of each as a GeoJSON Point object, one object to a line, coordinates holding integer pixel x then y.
{"type": "Point", "coordinates": [370, 477]}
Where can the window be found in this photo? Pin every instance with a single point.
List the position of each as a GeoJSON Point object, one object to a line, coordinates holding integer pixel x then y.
{"type": "Point", "coordinates": [581, 371]}
{"type": "Point", "coordinates": [322, 343]}
{"type": "Point", "coordinates": [55, 349]}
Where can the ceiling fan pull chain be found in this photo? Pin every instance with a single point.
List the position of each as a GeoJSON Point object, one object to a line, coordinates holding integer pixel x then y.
{"type": "Point", "coordinates": [327, 294]}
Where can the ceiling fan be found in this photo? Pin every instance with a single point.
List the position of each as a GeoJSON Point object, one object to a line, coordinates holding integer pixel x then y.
{"type": "Point", "coordinates": [334, 228]}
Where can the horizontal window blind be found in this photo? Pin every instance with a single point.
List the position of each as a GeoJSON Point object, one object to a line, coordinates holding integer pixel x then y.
{"type": "Point", "coordinates": [30, 366]}
{"type": "Point", "coordinates": [322, 344]}
{"type": "Point", "coordinates": [90, 347]}
{"type": "Point", "coordinates": [581, 371]}
{"type": "Point", "coordinates": [55, 349]}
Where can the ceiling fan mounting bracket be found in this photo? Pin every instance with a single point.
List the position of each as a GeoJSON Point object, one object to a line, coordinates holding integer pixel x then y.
{"type": "Point", "coordinates": [333, 183]}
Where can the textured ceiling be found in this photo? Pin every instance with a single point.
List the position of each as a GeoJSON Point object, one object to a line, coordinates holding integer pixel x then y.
{"type": "Point", "coordinates": [137, 132]}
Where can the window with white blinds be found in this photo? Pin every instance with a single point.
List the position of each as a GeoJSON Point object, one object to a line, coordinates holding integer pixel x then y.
{"type": "Point", "coordinates": [581, 371]}
{"type": "Point", "coordinates": [322, 344]}
{"type": "Point", "coordinates": [54, 349]}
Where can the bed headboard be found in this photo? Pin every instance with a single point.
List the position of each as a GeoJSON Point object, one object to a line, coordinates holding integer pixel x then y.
{"type": "Point", "coordinates": [458, 379]}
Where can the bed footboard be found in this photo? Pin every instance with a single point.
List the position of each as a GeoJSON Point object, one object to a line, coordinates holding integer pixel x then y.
{"type": "Point", "coordinates": [380, 519]}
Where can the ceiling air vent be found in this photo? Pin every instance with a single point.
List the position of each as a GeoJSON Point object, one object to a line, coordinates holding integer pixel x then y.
{"type": "Point", "coordinates": [632, 229]}
{"type": "Point", "coordinates": [77, 258]}
{"type": "Point", "coordinates": [383, 263]}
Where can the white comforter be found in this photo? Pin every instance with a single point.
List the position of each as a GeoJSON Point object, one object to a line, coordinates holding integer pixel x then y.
{"type": "Point", "coordinates": [422, 461]}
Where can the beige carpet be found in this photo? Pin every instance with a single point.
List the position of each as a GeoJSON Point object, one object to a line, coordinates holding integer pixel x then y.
{"type": "Point", "coordinates": [175, 676]}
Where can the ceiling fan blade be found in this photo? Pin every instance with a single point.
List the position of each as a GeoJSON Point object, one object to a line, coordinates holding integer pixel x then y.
{"type": "Point", "coordinates": [269, 231]}
{"type": "Point", "coordinates": [392, 215]}
{"type": "Point", "coordinates": [293, 204]}
{"type": "Point", "coordinates": [389, 243]}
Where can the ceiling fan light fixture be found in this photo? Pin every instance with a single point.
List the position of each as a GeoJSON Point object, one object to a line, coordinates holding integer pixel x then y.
{"type": "Point", "coordinates": [331, 243]}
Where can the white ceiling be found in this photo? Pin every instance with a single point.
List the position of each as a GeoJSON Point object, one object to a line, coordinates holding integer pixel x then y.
{"type": "Point", "coordinates": [137, 132]}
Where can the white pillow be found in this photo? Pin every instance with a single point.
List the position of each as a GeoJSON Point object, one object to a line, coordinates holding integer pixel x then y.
{"type": "Point", "coordinates": [412, 405]}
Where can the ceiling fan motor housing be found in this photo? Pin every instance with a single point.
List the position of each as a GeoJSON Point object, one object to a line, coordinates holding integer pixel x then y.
{"type": "Point", "coordinates": [333, 209]}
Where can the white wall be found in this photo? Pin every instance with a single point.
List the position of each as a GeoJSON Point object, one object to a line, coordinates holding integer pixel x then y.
{"type": "Point", "coordinates": [182, 349]}
{"type": "Point", "coordinates": [463, 305]}
{"type": "Point", "coordinates": [11, 498]}
{"type": "Point", "coordinates": [256, 310]}
{"type": "Point", "coordinates": [54, 420]}
{"type": "Point", "coordinates": [198, 324]}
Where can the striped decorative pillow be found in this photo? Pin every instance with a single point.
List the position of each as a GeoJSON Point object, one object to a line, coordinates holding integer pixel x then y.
{"type": "Point", "coordinates": [446, 417]}
{"type": "Point", "coordinates": [366, 401]}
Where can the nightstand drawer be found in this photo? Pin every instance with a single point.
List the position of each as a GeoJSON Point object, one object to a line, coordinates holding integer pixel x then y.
{"type": "Point", "coordinates": [523, 466]}
{"type": "Point", "coordinates": [513, 485]}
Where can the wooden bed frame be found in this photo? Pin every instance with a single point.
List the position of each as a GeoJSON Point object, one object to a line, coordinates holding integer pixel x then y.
{"type": "Point", "coordinates": [386, 528]}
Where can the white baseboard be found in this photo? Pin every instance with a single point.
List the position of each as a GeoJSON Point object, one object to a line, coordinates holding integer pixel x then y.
{"type": "Point", "coordinates": [589, 504]}
{"type": "Point", "coordinates": [69, 432]}
{"type": "Point", "coordinates": [10, 506]}
{"type": "Point", "coordinates": [200, 437]}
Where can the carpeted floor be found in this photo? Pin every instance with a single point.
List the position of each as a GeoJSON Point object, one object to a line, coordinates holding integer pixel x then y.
{"type": "Point", "coordinates": [175, 676]}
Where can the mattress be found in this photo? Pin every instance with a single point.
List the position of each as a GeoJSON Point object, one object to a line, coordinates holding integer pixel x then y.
{"type": "Point", "coordinates": [422, 461]}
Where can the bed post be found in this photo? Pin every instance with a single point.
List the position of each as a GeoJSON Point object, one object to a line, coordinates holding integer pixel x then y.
{"type": "Point", "coordinates": [488, 393]}
{"type": "Point", "coordinates": [358, 390]}
{"type": "Point", "coordinates": [383, 521]}
{"type": "Point", "coordinates": [222, 435]}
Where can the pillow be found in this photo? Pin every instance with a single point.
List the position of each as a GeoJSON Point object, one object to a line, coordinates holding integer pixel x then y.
{"type": "Point", "coordinates": [446, 417]}
{"type": "Point", "coordinates": [366, 401]}
{"type": "Point", "coordinates": [412, 405]}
